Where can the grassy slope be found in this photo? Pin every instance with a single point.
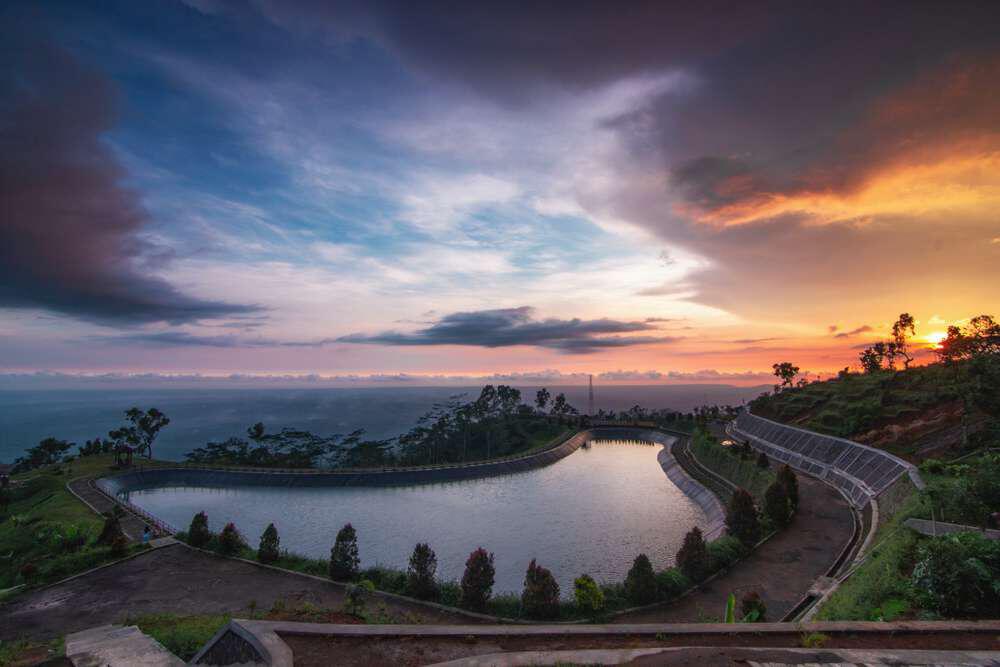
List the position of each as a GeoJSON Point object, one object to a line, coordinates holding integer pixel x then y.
{"type": "Point", "coordinates": [879, 589]}
{"type": "Point", "coordinates": [43, 512]}
{"type": "Point", "coordinates": [724, 461]}
{"type": "Point", "coordinates": [858, 406]}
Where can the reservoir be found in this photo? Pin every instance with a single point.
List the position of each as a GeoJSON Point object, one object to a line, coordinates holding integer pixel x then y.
{"type": "Point", "coordinates": [591, 512]}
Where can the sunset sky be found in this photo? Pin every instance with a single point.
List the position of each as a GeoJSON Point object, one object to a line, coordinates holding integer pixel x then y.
{"type": "Point", "coordinates": [650, 192]}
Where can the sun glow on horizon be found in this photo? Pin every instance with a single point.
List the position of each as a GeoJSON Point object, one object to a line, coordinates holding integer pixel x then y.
{"type": "Point", "coordinates": [935, 338]}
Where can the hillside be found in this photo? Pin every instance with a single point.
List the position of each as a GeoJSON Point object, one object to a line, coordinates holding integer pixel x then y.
{"type": "Point", "coordinates": [915, 413]}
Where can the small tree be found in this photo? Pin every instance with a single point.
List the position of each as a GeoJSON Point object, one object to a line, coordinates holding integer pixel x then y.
{"type": "Point", "coordinates": [540, 598]}
{"type": "Point", "coordinates": [791, 483]}
{"type": "Point", "coordinates": [776, 505]}
{"type": "Point", "coordinates": [753, 608]}
{"type": "Point", "coordinates": [640, 582]}
{"type": "Point", "coordinates": [786, 372]}
{"type": "Point", "coordinates": [741, 518]}
{"type": "Point", "coordinates": [420, 582]}
{"type": "Point", "coordinates": [542, 398]}
{"type": "Point", "coordinates": [477, 581]}
{"type": "Point", "coordinates": [357, 597]}
{"type": "Point", "coordinates": [198, 533]}
{"type": "Point", "coordinates": [231, 542]}
{"type": "Point", "coordinates": [588, 595]}
{"type": "Point", "coordinates": [112, 527]}
{"type": "Point", "coordinates": [762, 461]}
{"type": "Point", "coordinates": [344, 560]}
{"type": "Point", "coordinates": [692, 559]}
{"type": "Point", "coordinates": [270, 543]}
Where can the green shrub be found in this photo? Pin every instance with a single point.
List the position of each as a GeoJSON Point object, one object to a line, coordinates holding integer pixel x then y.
{"type": "Point", "coordinates": [270, 543]}
{"type": "Point", "coordinates": [231, 542]}
{"type": "Point", "coordinates": [957, 575]}
{"type": "Point", "coordinates": [725, 552]}
{"type": "Point", "coordinates": [198, 533]}
{"type": "Point", "coordinates": [588, 596]}
{"type": "Point", "coordinates": [692, 558]}
{"type": "Point", "coordinates": [477, 580]}
{"type": "Point", "coordinates": [787, 478]}
{"type": "Point", "coordinates": [670, 583]}
{"type": "Point", "coordinates": [753, 608]}
{"type": "Point", "coordinates": [741, 518]}
{"type": "Point", "coordinates": [181, 635]}
{"type": "Point", "coordinates": [540, 597]}
{"type": "Point", "coordinates": [640, 582]}
{"type": "Point", "coordinates": [777, 508]}
{"type": "Point", "coordinates": [357, 596]}
{"type": "Point", "coordinates": [344, 560]}
{"type": "Point", "coordinates": [420, 581]}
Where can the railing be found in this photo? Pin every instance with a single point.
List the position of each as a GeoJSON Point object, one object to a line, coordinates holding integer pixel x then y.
{"type": "Point", "coordinates": [160, 524]}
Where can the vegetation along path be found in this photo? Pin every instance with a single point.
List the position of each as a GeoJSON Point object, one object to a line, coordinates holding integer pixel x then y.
{"type": "Point", "coordinates": [782, 570]}
{"type": "Point", "coordinates": [180, 580]}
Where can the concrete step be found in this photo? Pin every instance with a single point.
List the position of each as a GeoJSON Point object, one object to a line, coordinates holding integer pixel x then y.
{"type": "Point", "coordinates": [117, 646]}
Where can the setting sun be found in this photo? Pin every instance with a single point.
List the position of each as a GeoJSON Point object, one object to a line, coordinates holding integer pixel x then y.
{"type": "Point", "coordinates": [935, 338]}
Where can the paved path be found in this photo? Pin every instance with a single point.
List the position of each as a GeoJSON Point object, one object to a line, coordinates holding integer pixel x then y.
{"type": "Point", "coordinates": [131, 524]}
{"type": "Point", "coordinates": [176, 579]}
{"type": "Point", "coordinates": [781, 571]}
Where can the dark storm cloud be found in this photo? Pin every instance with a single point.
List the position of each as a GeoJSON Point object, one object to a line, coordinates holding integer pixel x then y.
{"type": "Point", "coordinates": [516, 326]}
{"type": "Point", "coordinates": [70, 238]}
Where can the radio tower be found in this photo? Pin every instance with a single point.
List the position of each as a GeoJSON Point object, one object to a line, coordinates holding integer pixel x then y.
{"type": "Point", "coordinates": [590, 397]}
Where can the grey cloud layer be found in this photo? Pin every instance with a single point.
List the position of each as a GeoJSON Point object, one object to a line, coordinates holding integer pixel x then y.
{"type": "Point", "coordinates": [70, 235]}
{"type": "Point", "coordinates": [516, 326]}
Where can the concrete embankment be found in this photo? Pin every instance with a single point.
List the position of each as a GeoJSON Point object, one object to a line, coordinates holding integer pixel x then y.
{"type": "Point", "coordinates": [190, 476]}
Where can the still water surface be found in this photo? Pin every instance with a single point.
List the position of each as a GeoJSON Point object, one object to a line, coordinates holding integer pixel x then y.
{"type": "Point", "coordinates": [593, 512]}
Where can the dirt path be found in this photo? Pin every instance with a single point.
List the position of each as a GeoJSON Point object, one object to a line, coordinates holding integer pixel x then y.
{"type": "Point", "coordinates": [781, 571]}
{"type": "Point", "coordinates": [177, 579]}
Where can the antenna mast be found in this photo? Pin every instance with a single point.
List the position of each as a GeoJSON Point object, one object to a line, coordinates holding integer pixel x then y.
{"type": "Point", "coordinates": [590, 397]}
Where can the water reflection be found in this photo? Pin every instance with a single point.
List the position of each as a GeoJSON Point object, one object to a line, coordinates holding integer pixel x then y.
{"type": "Point", "coordinates": [593, 511]}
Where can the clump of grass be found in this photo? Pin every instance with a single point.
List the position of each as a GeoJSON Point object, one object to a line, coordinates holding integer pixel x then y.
{"type": "Point", "coordinates": [181, 635]}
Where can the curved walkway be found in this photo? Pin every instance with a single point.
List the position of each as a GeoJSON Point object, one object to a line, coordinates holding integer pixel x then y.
{"type": "Point", "coordinates": [781, 570]}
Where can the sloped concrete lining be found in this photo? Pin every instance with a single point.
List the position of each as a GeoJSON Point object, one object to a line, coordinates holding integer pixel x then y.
{"type": "Point", "coordinates": [117, 646]}
{"type": "Point", "coordinates": [244, 643]}
{"type": "Point", "coordinates": [208, 476]}
{"type": "Point", "coordinates": [709, 503]}
{"type": "Point", "coordinates": [932, 528]}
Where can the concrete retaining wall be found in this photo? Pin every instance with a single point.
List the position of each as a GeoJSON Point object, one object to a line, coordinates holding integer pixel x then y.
{"type": "Point", "coordinates": [190, 476]}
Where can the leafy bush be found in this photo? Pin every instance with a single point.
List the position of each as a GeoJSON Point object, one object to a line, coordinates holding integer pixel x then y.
{"type": "Point", "coordinates": [198, 533]}
{"type": "Point", "coordinates": [477, 581]}
{"type": "Point", "coordinates": [753, 608]}
{"type": "Point", "coordinates": [741, 518]}
{"type": "Point", "coordinates": [588, 595]}
{"type": "Point", "coordinates": [777, 508]}
{"type": "Point", "coordinates": [420, 582]}
{"type": "Point", "coordinates": [640, 582]}
{"type": "Point", "coordinates": [112, 528]}
{"type": "Point", "coordinates": [119, 546]}
{"type": "Point", "coordinates": [357, 597]}
{"type": "Point", "coordinates": [725, 552]}
{"type": "Point", "coordinates": [671, 582]}
{"type": "Point", "coordinates": [344, 560]}
{"type": "Point", "coordinates": [269, 549]}
{"type": "Point", "coordinates": [540, 597]}
{"type": "Point", "coordinates": [956, 575]}
{"type": "Point", "coordinates": [787, 478]}
{"type": "Point", "coordinates": [231, 542]}
{"type": "Point", "coordinates": [692, 558]}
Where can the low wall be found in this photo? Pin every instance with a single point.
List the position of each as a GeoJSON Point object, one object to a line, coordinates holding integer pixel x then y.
{"type": "Point", "coordinates": [140, 478]}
